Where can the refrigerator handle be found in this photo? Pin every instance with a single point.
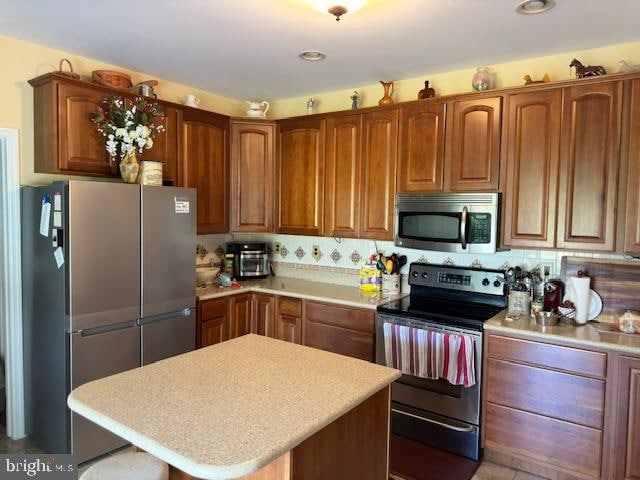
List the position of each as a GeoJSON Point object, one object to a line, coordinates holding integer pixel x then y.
{"type": "Point", "coordinates": [165, 316]}
{"type": "Point", "coordinates": [87, 332]}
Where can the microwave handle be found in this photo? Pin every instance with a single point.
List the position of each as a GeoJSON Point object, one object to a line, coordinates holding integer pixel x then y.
{"type": "Point", "coordinates": [463, 228]}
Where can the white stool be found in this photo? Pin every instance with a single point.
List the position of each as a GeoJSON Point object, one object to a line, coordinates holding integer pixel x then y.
{"type": "Point", "coordinates": [128, 466]}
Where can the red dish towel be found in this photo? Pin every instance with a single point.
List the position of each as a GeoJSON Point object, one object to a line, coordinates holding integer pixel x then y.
{"type": "Point", "coordinates": [430, 354]}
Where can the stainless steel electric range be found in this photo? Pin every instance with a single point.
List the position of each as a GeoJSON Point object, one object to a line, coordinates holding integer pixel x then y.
{"type": "Point", "coordinates": [447, 299]}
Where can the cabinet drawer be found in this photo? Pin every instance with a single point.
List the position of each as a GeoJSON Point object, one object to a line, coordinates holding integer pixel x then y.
{"type": "Point", "coordinates": [565, 445]}
{"type": "Point", "coordinates": [213, 308]}
{"type": "Point", "coordinates": [574, 360]}
{"type": "Point", "coordinates": [289, 306]}
{"type": "Point", "coordinates": [339, 340]}
{"type": "Point", "coordinates": [554, 394]}
{"type": "Point", "coordinates": [344, 317]}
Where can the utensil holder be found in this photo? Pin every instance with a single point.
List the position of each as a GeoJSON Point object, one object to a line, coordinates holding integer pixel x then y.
{"type": "Point", "coordinates": [391, 282]}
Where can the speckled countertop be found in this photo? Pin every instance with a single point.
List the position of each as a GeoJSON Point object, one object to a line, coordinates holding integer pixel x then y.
{"type": "Point", "coordinates": [228, 410]}
{"type": "Point", "coordinates": [595, 335]}
{"type": "Point", "coordinates": [308, 290]}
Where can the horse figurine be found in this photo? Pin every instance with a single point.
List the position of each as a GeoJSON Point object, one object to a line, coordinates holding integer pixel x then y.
{"type": "Point", "coordinates": [587, 71]}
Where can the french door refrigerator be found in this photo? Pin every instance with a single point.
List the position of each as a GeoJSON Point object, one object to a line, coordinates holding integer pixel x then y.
{"type": "Point", "coordinates": [108, 286]}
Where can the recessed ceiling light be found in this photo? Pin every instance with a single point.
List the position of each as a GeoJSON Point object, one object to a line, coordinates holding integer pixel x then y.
{"type": "Point", "coordinates": [312, 55]}
{"type": "Point", "coordinates": [531, 7]}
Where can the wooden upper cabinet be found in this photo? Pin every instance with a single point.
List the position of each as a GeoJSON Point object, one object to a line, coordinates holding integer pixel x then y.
{"type": "Point", "coordinates": [473, 150]}
{"type": "Point", "coordinates": [421, 156]}
{"type": "Point", "coordinates": [252, 176]}
{"type": "Point", "coordinates": [204, 166]}
{"type": "Point", "coordinates": [379, 155]}
{"type": "Point", "coordinates": [165, 147]}
{"type": "Point", "coordinates": [632, 230]}
{"type": "Point", "coordinates": [263, 315]}
{"type": "Point", "coordinates": [627, 448]}
{"type": "Point", "coordinates": [300, 176]}
{"type": "Point", "coordinates": [342, 180]}
{"type": "Point", "coordinates": [532, 137]}
{"type": "Point", "coordinates": [589, 163]}
{"type": "Point", "coordinates": [81, 149]}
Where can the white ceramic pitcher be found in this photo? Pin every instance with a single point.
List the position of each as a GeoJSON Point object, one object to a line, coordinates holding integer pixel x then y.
{"type": "Point", "coordinates": [257, 109]}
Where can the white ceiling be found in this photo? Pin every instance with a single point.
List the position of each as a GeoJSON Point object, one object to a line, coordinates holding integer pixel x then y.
{"type": "Point", "coordinates": [247, 49]}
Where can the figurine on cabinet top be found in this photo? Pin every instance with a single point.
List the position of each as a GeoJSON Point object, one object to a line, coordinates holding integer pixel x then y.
{"type": "Point", "coordinates": [355, 100]}
{"type": "Point", "coordinates": [426, 92]}
{"type": "Point", "coordinates": [529, 81]}
{"type": "Point", "coordinates": [583, 71]}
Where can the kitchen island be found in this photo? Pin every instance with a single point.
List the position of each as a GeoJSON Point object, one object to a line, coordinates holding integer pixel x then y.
{"type": "Point", "coordinates": [253, 408]}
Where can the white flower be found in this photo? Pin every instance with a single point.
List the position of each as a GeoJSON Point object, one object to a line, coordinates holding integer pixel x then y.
{"type": "Point", "coordinates": [149, 143]}
{"type": "Point", "coordinates": [121, 132]}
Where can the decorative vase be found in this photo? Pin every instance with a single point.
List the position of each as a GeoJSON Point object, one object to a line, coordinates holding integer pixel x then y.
{"type": "Point", "coordinates": [388, 90]}
{"type": "Point", "coordinates": [129, 167]}
{"type": "Point", "coordinates": [150, 173]}
{"type": "Point", "coordinates": [426, 92]}
{"type": "Point", "coordinates": [481, 81]}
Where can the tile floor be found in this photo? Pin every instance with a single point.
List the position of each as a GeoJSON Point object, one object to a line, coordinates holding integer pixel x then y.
{"type": "Point", "coordinates": [487, 471]}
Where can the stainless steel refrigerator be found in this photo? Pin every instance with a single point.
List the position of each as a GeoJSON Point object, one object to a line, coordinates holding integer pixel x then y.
{"type": "Point", "coordinates": [109, 285]}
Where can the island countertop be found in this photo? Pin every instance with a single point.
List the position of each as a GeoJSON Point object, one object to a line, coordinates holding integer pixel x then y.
{"type": "Point", "coordinates": [309, 290]}
{"type": "Point", "coordinates": [228, 410]}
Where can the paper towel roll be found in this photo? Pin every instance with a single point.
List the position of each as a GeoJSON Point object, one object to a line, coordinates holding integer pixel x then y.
{"type": "Point", "coordinates": [581, 290]}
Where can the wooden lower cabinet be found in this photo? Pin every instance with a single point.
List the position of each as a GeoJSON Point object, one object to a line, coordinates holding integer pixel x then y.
{"type": "Point", "coordinates": [561, 412]}
{"type": "Point", "coordinates": [239, 315]}
{"type": "Point", "coordinates": [343, 330]}
{"type": "Point", "coordinates": [627, 449]}
{"type": "Point", "coordinates": [212, 320]}
{"type": "Point", "coordinates": [263, 313]}
{"type": "Point", "coordinates": [289, 320]}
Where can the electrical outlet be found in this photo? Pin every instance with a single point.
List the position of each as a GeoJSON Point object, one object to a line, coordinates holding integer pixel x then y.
{"type": "Point", "coordinates": [547, 268]}
{"type": "Point", "coordinates": [276, 248]}
{"type": "Point", "coordinates": [316, 253]}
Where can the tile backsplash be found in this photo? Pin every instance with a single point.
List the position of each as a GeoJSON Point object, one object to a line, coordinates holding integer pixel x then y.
{"type": "Point", "coordinates": [344, 256]}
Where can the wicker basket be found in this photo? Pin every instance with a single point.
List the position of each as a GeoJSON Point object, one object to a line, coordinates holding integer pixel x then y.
{"type": "Point", "coordinates": [110, 78]}
{"type": "Point", "coordinates": [70, 73]}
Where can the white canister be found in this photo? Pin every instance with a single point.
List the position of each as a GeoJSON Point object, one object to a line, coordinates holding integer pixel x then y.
{"type": "Point", "coordinates": [391, 282]}
{"type": "Point", "coordinates": [150, 173]}
{"type": "Point", "coordinates": [520, 302]}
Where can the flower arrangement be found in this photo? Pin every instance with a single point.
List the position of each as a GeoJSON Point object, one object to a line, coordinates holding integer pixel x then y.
{"type": "Point", "coordinates": [128, 126]}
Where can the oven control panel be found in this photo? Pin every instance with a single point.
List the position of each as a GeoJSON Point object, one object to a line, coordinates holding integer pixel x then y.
{"type": "Point", "coordinates": [457, 278]}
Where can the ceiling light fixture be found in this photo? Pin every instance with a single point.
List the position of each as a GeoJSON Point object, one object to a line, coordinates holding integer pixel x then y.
{"type": "Point", "coordinates": [532, 7]}
{"type": "Point", "coordinates": [338, 8]}
{"type": "Point", "coordinates": [312, 55]}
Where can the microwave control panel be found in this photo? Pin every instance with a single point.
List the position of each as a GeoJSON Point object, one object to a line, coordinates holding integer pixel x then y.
{"type": "Point", "coordinates": [479, 227]}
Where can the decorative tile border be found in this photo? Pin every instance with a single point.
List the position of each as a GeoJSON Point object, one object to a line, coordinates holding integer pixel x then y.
{"type": "Point", "coordinates": [316, 268]}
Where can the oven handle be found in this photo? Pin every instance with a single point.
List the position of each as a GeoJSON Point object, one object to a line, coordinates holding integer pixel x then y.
{"type": "Point", "coordinates": [442, 424]}
{"type": "Point", "coordinates": [463, 228]}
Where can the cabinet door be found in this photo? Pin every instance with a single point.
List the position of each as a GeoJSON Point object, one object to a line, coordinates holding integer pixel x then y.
{"type": "Point", "coordinates": [252, 176]}
{"type": "Point", "coordinates": [212, 322]}
{"type": "Point", "coordinates": [589, 161]}
{"type": "Point", "coordinates": [81, 149]}
{"type": "Point", "coordinates": [421, 160]}
{"type": "Point", "coordinates": [627, 451]}
{"type": "Point", "coordinates": [204, 166]}
{"type": "Point", "coordinates": [379, 155]}
{"type": "Point", "coordinates": [632, 231]}
{"type": "Point", "coordinates": [473, 154]}
{"type": "Point", "coordinates": [289, 328]}
{"type": "Point", "coordinates": [263, 315]}
{"type": "Point", "coordinates": [343, 183]}
{"type": "Point", "coordinates": [300, 176]}
{"type": "Point", "coordinates": [532, 159]}
{"type": "Point", "coordinates": [165, 147]}
{"type": "Point", "coordinates": [239, 315]}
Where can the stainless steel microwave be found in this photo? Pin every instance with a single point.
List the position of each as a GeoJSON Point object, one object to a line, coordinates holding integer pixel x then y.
{"type": "Point", "coordinates": [448, 222]}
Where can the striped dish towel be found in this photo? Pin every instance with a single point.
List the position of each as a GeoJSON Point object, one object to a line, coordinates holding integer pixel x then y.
{"type": "Point", "coordinates": [430, 354]}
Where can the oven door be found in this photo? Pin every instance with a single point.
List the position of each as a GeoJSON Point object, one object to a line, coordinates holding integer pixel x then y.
{"type": "Point", "coordinates": [252, 264]}
{"type": "Point", "coordinates": [436, 396]}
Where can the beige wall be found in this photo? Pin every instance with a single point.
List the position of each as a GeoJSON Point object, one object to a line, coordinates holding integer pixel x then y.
{"type": "Point", "coordinates": [22, 61]}
{"type": "Point", "coordinates": [506, 74]}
